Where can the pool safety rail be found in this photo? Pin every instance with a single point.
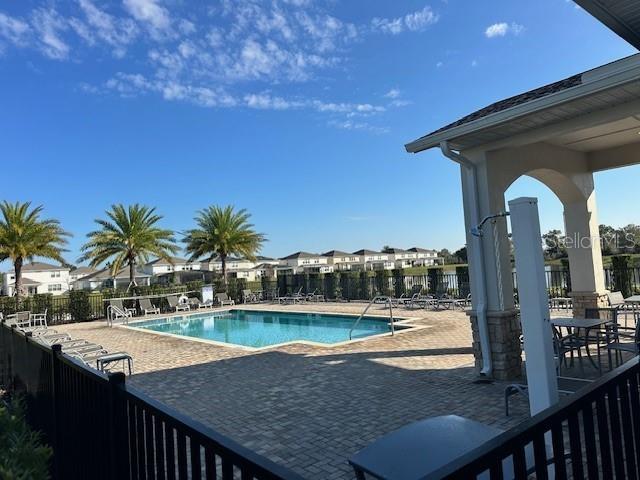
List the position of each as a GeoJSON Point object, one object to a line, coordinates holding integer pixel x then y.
{"type": "Point", "coordinates": [101, 428]}
{"type": "Point", "coordinates": [378, 299]}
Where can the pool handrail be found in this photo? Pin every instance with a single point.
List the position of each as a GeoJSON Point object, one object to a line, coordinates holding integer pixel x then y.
{"type": "Point", "coordinates": [377, 298]}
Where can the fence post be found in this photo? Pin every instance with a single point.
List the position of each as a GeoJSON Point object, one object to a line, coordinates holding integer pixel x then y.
{"type": "Point", "coordinates": [118, 427]}
{"type": "Point", "coordinates": [56, 351]}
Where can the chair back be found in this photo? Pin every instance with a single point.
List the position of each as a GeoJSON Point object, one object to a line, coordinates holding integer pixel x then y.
{"type": "Point", "coordinates": [117, 303]}
{"type": "Point", "coordinates": [246, 293]}
{"type": "Point", "coordinates": [172, 300]}
{"type": "Point", "coordinates": [222, 296]}
{"type": "Point", "coordinates": [145, 304]}
{"type": "Point", "coordinates": [616, 299]}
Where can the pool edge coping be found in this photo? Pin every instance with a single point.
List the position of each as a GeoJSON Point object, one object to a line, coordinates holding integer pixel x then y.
{"type": "Point", "coordinates": [403, 322]}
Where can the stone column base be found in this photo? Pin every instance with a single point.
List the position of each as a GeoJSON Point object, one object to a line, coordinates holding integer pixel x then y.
{"type": "Point", "coordinates": [504, 340]}
{"type": "Point", "coordinates": [584, 300]}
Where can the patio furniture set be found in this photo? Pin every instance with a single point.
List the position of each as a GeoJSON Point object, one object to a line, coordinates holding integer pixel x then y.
{"type": "Point", "coordinates": [443, 301]}
{"type": "Point", "coordinates": [117, 311]}
{"type": "Point", "coordinates": [87, 353]}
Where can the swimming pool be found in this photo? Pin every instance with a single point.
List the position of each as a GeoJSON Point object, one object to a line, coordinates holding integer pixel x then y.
{"type": "Point", "coordinates": [259, 329]}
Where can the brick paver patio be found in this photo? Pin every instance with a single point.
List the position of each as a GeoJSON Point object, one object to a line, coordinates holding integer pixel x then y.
{"type": "Point", "coordinates": [310, 408]}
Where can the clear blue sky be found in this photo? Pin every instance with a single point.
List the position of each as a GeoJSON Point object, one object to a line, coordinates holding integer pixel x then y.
{"type": "Point", "coordinates": [297, 110]}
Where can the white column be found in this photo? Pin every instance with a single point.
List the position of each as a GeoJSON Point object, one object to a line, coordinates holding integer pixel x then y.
{"type": "Point", "coordinates": [534, 306]}
{"type": "Point", "coordinates": [583, 246]}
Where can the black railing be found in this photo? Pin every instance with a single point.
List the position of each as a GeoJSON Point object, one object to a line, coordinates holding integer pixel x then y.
{"type": "Point", "coordinates": [101, 428]}
{"type": "Point", "coordinates": [592, 434]}
{"type": "Point", "coordinates": [367, 285]}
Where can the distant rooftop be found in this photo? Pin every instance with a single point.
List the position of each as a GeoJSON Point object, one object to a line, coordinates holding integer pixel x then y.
{"type": "Point", "coordinates": [336, 253]}
{"type": "Point", "coordinates": [364, 251]}
{"type": "Point", "coordinates": [174, 261]}
{"type": "Point", "coordinates": [40, 267]}
{"type": "Point", "coordinates": [300, 255]}
{"type": "Point", "coordinates": [105, 274]}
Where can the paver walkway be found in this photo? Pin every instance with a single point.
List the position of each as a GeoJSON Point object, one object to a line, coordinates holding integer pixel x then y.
{"type": "Point", "coordinates": [310, 408]}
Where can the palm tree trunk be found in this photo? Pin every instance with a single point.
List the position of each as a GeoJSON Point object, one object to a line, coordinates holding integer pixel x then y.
{"type": "Point", "coordinates": [132, 273]}
{"type": "Point", "coordinates": [223, 260]}
{"type": "Point", "coordinates": [17, 266]}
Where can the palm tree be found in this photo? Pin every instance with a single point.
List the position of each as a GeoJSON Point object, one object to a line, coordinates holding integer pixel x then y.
{"type": "Point", "coordinates": [127, 238]}
{"type": "Point", "coordinates": [24, 235]}
{"type": "Point", "coordinates": [223, 231]}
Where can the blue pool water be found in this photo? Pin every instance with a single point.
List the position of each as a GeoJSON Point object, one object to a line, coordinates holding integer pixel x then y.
{"type": "Point", "coordinates": [261, 329]}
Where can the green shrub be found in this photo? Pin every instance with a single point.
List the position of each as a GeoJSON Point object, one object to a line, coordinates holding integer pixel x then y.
{"type": "Point", "coordinates": [23, 456]}
{"type": "Point", "coordinates": [79, 306]}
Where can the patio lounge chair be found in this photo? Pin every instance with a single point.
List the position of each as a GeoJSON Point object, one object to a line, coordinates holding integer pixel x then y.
{"type": "Point", "coordinates": [248, 297]}
{"type": "Point", "coordinates": [405, 298]}
{"type": "Point", "coordinates": [315, 296]}
{"type": "Point", "coordinates": [176, 306]}
{"type": "Point", "coordinates": [223, 299]}
{"type": "Point", "coordinates": [117, 303]}
{"type": "Point", "coordinates": [147, 307]}
{"type": "Point", "coordinates": [293, 298]}
{"type": "Point", "coordinates": [421, 448]}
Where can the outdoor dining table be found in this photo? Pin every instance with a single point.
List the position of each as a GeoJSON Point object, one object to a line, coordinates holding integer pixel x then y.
{"type": "Point", "coordinates": [577, 324]}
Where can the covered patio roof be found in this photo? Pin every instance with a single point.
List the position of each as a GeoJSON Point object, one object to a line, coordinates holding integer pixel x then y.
{"type": "Point", "coordinates": [591, 111]}
{"type": "Point", "coordinates": [621, 16]}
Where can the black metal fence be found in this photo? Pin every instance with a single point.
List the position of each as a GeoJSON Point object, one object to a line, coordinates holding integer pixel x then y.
{"type": "Point", "coordinates": [340, 286]}
{"type": "Point", "coordinates": [101, 428]}
{"type": "Point", "coordinates": [592, 434]}
{"type": "Point", "coordinates": [365, 286]}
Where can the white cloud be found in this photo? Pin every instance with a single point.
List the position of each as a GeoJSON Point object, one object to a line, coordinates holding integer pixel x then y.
{"type": "Point", "coordinates": [264, 101]}
{"type": "Point", "coordinates": [413, 22]}
{"type": "Point", "coordinates": [49, 27]}
{"type": "Point", "coordinates": [235, 53]}
{"type": "Point", "coordinates": [393, 93]}
{"type": "Point", "coordinates": [361, 126]}
{"type": "Point", "coordinates": [149, 12]}
{"type": "Point", "coordinates": [13, 29]}
{"type": "Point", "coordinates": [503, 28]}
{"type": "Point", "coordinates": [115, 32]}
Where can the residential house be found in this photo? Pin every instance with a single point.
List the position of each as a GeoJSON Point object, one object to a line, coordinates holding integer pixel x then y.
{"type": "Point", "coordinates": [104, 279]}
{"type": "Point", "coordinates": [372, 260]}
{"type": "Point", "coordinates": [265, 270]}
{"type": "Point", "coordinates": [79, 273]}
{"type": "Point", "coordinates": [176, 264]}
{"type": "Point", "coordinates": [305, 262]}
{"type": "Point", "coordinates": [425, 257]}
{"type": "Point", "coordinates": [38, 278]}
{"type": "Point", "coordinates": [343, 261]}
{"type": "Point", "coordinates": [400, 257]}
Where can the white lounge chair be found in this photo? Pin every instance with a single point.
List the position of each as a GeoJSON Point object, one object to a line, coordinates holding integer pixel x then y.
{"type": "Point", "coordinates": [223, 299]}
{"type": "Point", "coordinates": [147, 307]}
{"type": "Point", "coordinates": [176, 306]}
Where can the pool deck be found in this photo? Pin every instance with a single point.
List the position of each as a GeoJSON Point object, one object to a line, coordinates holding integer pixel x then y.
{"type": "Point", "coordinates": [311, 407]}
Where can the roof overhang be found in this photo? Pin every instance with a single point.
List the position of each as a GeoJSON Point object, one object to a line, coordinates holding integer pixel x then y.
{"type": "Point", "coordinates": [615, 85]}
{"type": "Point", "coordinates": [621, 16]}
